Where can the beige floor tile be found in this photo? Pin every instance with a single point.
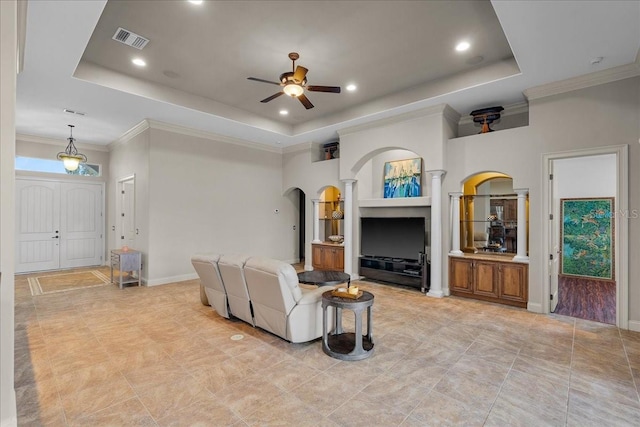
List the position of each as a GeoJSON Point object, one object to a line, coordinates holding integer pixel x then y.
{"type": "Point", "coordinates": [287, 410]}
{"type": "Point", "coordinates": [244, 397]}
{"type": "Point", "coordinates": [543, 369]}
{"type": "Point", "coordinates": [164, 400]}
{"type": "Point", "coordinates": [368, 413]}
{"type": "Point", "coordinates": [128, 413]}
{"type": "Point", "coordinates": [589, 410]}
{"type": "Point", "coordinates": [459, 386]}
{"type": "Point", "coordinates": [147, 355]}
{"type": "Point", "coordinates": [437, 409]}
{"type": "Point", "coordinates": [99, 395]}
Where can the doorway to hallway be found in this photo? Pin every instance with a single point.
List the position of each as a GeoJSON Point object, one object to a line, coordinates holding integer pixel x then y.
{"type": "Point", "coordinates": [581, 176]}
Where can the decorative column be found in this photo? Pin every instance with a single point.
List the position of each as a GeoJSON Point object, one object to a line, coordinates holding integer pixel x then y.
{"type": "Point", "coordinates": [521, 254]}
{"type": "Point", "coordinates": [436, 234]}
{"type": "Point", "coordinates": [348, 226]}
{"type": "Point", "coordinates": [455, 224]}
{"type": "Point", "coordinates": [316, 222]}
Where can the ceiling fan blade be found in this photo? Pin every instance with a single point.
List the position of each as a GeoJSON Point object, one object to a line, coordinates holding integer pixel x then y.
{"type": "Point", "coordinates": [272, 97]}
{"type": "Point", "coordinates": [300, 73]}
{"type": "Point", "coordinates": [330, 89]}
{"type": "Point", "coordinates": [305, 101]}
{"type": "Point", "coordinates": [262, 80]}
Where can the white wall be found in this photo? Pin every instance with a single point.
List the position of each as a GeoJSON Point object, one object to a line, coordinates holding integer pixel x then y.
{"type": "Point", "coordinates": [8, 67]}
{"type": "Point", "coordinates": [312, 177]}
{"type": "Point", "coordinates": [206, 195]}
{"type": "Point", "coordinates": [589, 176]}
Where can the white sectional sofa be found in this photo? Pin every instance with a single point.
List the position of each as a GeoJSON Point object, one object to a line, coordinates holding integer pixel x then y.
{"type": "Point", "coordinates": [263, 292]}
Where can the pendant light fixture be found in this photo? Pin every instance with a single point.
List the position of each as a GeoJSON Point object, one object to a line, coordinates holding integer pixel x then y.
{"type": "Point", "coordinates": [70, 156]}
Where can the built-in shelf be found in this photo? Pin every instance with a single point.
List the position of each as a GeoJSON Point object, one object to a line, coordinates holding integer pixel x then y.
{"type": "Point", "coordinates": [398, 202]}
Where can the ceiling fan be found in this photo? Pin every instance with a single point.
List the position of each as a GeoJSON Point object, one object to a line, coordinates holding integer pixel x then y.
{"type": "Point", "coordinates": [294, 84]}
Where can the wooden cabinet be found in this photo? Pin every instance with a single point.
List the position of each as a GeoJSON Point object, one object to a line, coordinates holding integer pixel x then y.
{"type": "Point", "coordinates": [327, 257]}
{"type": "Point", "coordinates": [514, 282]}
{"type": "Point", "coordinates": [461, 275]}
{"type": "Point", "coordinates": [498, 281]}
{"type": "Point", "coordinates": [485, 279]}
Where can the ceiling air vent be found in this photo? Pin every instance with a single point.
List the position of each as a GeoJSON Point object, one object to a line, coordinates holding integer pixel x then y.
{"type": "Point", "coordinates": [129, 38]}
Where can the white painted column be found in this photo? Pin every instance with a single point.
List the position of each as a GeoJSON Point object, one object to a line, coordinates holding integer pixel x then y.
{"type": "Point", "coordinates": [316, 221]}
{"type": "Point", "coordinates": [455, 224]}
{"type": "Point", "coordinates": [521, 254]}
{"type": "Point", "coordinates": [435, 289]}
{"type": "Point", "coordinates": [348, 227]}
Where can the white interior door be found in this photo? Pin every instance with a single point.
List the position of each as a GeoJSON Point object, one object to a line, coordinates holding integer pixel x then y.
{"type": "Point", "coordinates": [554, 238]}
{"type": "Point", "coordinates": [58, 225]}
{"type": "Point", "coordinates": [37, 225]}
{"type": "Point", "coordinates": [80, 225]}
{"type": "Point", "coordinates": [127, 214]}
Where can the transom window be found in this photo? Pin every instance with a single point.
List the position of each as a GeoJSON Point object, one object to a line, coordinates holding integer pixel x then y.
{"type": "Point", "coordinates": [33, 164]}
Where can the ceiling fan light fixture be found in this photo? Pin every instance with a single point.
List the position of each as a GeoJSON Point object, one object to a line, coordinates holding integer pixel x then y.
{"type": "Point", "coordinates": [293, 90]}
{"type": "Point", "coordinates": [70, 157]}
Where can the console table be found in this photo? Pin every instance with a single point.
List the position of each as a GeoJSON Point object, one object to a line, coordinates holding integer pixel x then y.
{"type": "Point", "coordinates": [347, 345]}
{"type": "Point", "coordinates": [127, 263]}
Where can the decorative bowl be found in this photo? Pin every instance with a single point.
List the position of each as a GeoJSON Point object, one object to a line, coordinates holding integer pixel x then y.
{"type": "Point", "coordinates": [337, 215]}
{"type": "Point", "coordinates": [336, 238]}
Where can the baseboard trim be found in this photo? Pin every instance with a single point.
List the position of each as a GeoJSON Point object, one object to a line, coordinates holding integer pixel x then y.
{"type": "Point", "coordinates": [172, 279]}
{"type": "Point", "coordinates": [634, 325]}
{"type": "Point", "coordinates": [10, 419]}
{"type": "Point", "coordinates": [534, 307]}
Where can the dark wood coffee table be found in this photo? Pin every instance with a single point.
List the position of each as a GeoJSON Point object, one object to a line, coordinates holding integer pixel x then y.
{"type": "Point", "coordinates": [324, 278]}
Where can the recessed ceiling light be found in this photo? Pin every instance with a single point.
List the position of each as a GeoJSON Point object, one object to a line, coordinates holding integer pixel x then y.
{"type": "Point", "coordinates": [351, 87]}
{"type": "Point", "coordinates": [462, 46]}
{"type": "Point", "coordinates": [195, 1]}
{"type": "Point", "coordinates": [283, 112]}
{"type": "Point", "coordinates": [139, 62]}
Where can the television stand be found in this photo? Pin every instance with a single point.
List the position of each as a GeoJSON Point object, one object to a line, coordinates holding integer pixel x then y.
{"type": "Point", "coordinates": [395, 270]}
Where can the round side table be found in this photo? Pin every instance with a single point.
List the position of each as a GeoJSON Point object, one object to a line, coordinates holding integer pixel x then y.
{"type": "Point", "coordinates": [347, 345]}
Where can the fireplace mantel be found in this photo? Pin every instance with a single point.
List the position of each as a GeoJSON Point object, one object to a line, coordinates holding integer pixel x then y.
{"type": "Point", "coordinates": [397, 202]}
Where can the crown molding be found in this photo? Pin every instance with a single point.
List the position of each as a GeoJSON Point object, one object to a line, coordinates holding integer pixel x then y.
{"type": "Point", "coordinates": [22, 32]}
{"type": "Point", "coordinates": [305, 146]}
{"type": "Point", "coordinates": [182, 130]}
{"type": "Point", "coordinates": [411, 115]}
{"type": "Point", "coordinates": [129, 135]}
{"type": "Point", "coordinates": [509, 110]}
{"type": "Point", "coordinates": [51, 141]}
{"type": "Point", "coordinates": [450, 114]}
{"type": "Point", "coordinates": [581, 82]}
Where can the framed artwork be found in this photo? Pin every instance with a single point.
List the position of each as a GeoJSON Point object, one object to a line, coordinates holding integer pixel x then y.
{"type": "Point", "coordinates": [587, 238]}
{"type": "Point", "coordinates": [402, 178]}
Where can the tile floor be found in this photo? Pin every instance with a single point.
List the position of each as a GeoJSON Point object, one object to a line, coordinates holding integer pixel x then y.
{"type": "Point", "coordinates": [156, 356]}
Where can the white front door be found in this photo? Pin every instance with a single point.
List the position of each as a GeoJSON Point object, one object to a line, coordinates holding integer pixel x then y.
{"type": "Point", "coordinates": [58, 225]}
{"type": "Point", "coordinates": [37, 225]}
{"type": "Point", "coordinates": [80, 225]}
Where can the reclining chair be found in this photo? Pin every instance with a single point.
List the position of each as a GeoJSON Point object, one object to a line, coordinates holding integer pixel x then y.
{"type": "Point", "coordinates": [280, 305]}
{"type": "Point", "coordinates": [206, 265]}
{"type": "Point", "coordinates": [232, 273]}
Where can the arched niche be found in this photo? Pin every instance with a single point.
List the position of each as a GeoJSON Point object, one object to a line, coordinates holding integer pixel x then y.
{"type": "Point", "coordinates": [368, 170]}
{"type": "Point", "coordinates": [489, 214]}
{"type": "Point", "coordinates": [331, 212]}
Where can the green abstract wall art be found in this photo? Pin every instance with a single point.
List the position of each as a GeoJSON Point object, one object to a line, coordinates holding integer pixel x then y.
{"type": "Point", "coordinates": [587, 237]}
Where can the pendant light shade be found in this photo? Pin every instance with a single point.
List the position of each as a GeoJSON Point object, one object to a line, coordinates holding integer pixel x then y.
{"type": "Point", "coordinates": [70, 156]}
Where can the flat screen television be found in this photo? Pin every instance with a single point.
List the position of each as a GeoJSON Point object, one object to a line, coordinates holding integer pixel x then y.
{"type": "Point", "coordinates": [392, 237]}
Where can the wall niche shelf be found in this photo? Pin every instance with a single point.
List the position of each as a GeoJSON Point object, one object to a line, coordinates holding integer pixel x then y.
{"type": "Point", "coordinates": [392, 203]}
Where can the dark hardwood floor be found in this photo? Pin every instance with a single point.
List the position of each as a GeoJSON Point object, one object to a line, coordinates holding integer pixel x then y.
{"type": "Point", "coordinates": [585, 298]}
